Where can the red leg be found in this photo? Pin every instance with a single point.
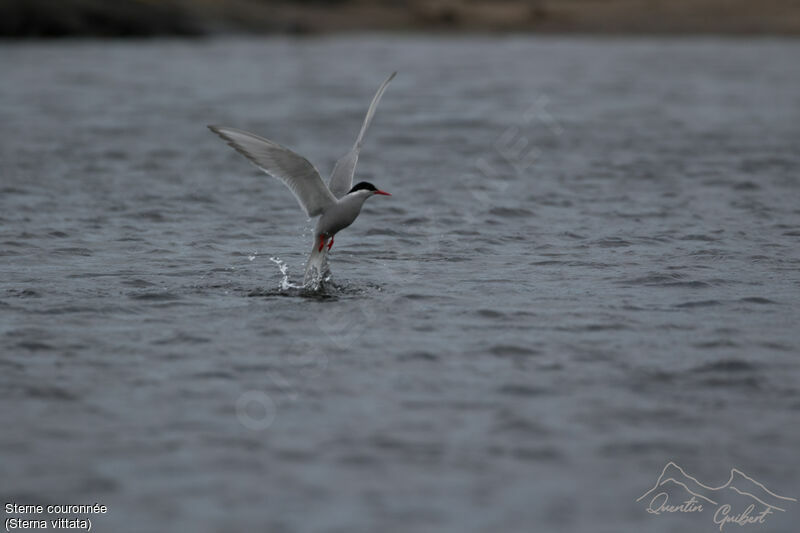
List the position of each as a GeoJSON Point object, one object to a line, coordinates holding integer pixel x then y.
{"type": "Point", "coordinates": [330, 243]}
{"type": "Point", "coordinates": [321, 242]}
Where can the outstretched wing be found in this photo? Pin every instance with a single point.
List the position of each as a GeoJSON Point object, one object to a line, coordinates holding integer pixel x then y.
{"type": "Point", "coordinates": [293, 170]}
{"type": "Point", "coordinates": [342, 177]}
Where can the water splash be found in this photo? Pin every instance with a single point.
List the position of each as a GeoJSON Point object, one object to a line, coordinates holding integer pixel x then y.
{"type": "Point", "coordinates": [284, 268]}
{"type": "Point", "coordinates": [318, 271]}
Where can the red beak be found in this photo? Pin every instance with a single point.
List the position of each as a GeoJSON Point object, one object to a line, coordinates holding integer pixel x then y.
{"type": "Point", "coordinates": [382, 192]}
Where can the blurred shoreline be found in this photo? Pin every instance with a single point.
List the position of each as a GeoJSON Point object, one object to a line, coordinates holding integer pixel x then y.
{"type": "Point", "coordinates": [137, 18]}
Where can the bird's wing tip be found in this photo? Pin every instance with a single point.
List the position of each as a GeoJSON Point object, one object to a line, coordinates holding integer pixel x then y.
{"type": "Point", "coordinates": [220, 130]}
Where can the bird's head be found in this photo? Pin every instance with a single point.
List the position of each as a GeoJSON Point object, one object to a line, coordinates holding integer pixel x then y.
{"type": "Point", "coordinates": [366, 189]}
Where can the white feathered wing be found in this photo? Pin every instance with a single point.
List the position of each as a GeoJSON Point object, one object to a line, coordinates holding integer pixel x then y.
{"type": "Point", "coordinates": [341, 180]}
{"type": "Point", "coordinates": [294, 170]}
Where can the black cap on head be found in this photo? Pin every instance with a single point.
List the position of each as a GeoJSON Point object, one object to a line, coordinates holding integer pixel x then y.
{"type": "Point", "coordinates": [363, 185]}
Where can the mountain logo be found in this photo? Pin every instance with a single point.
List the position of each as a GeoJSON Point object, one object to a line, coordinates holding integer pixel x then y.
{"type": "Point", "coordinates": [741, 500]}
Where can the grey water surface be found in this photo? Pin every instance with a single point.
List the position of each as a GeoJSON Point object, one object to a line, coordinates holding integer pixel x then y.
{"type": "Point", "coordinates": [589, 267]}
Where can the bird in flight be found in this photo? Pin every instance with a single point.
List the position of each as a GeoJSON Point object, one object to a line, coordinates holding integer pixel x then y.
{"type": "Point", "coordinates": [337, 204]}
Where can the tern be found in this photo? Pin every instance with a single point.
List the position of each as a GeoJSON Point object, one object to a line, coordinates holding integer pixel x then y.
{"type": "Point", "coordinates": [337, 204]}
